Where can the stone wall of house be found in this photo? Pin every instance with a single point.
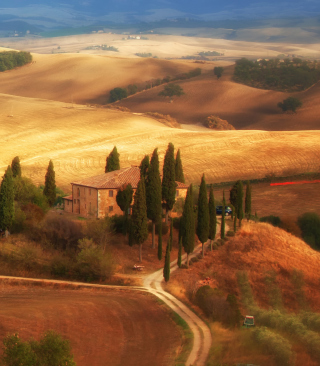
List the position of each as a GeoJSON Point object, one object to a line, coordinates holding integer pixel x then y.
{"type": "Point", "coordinates": [68, 206]}
{"type": "Point", "coordinates": [85, 201]}
{"type": "Point", "coordinates": [107, 203]}
{"type": "Point", "coordinates": [181, 193]}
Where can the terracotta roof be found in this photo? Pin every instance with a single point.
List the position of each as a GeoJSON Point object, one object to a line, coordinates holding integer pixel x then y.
{"type": "Point", "coordinates": [68, 198]}
{"type": "Point", "coordinates": [115, 179]}
{"type": "Point", "coordinates": [182, 185]}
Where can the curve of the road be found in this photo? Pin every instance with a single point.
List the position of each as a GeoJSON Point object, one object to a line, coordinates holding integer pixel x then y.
{"type": "Point", "coordinates": [152, 283]}
{"type": "Point", "coordinates": [202, 335]}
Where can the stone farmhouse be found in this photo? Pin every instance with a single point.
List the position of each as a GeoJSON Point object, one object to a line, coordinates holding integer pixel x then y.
{"type": "Point", "coordinates": [96, 196]}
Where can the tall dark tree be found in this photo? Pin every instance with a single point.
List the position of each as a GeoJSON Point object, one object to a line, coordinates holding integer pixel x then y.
{"type": "Point", "coordinates": [7, 200]}
{"type": "Point", "coordinates": [168, 180]}
{"type": "Point", "coordinates": [236, 199]}
{"type": "Point", "coordinates": [179, 253]}
{"type": "Point", "coordinates": [171, 234]}
{"type": "Point", "coordinates": [153, 193]}
{"type": "Point", "coordinates": [160, 241]}
{"type": "Point", "coordinates": [50, 184]}
{"type": "Point", "coordinates": [16, 167]}
{"type": "Point", "coordinates": [212, 217]}
{"type": "Point", "coordinates": [178, 169]}
{"type": "Point", "coordinates": [112, 161]}
{"type": "Point", "coordinates": [124, 199]}
{"type": "Point", "coordinates": [139, 220]}
{"type": "Point", "coordinates": [247, 207]}
{"type": "Point", "coordinates": [166, 268]}
{"type": "Point", "coordinates": [235, 222]}
{"type": "Point", "coordinates": [203, 214]}
{"type": "Point", "coordinates": [188, 224]}
{"type": "Point", "coordinates": [144, 166]}
{"type": "Point", "coordinates": [222, 232]}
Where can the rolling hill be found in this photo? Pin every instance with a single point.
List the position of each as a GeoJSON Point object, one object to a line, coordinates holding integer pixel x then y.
{"type": "Point", "coordinates": [242, 106]}
{"type": "Point", "coordinates": [78, 139]}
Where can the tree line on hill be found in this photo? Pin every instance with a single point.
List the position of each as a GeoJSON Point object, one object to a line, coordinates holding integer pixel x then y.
{"type": "Point", "coordinates": [11, 59]}
{"type": "Point", "coordinates": [285, 75]}
{"type": "Point", "coordinates": [119, 93]}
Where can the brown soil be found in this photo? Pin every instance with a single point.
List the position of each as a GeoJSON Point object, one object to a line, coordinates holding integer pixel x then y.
{"type": "Point", "coordinates": [105, 328]}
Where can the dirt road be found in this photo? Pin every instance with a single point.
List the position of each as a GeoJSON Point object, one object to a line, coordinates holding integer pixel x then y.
{"type": "Point", "coordinates": [202, 335]}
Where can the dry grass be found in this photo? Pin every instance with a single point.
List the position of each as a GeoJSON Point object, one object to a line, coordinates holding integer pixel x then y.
{"type": "Point", "coordinates": [79, 139]}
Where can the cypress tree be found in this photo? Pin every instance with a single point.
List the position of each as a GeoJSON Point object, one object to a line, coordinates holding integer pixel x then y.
{"type": "Point", "coordinates": [16, 167]}
{"type": "Point", "coordinates": [239, 210]}
{"type": "Point", "coordinates": [188, 224]}
{"type": "Point", "coordinates": [139, 217]}
{"type": "Point", "coordinates": [153, 193]}
{"type": "Point", "coordinates": [124, 199]}
{"type": "Point", "coordinates": [178, 169]}
{"type": "Point", "coordinates": [247, 208]}
{"type": "Point", "coordinates": [160, 241]}
{"type": "Point", "coordinates": [222, 234]}
{"type": "Point", "coordinates": [7, 200]}
{"type": "Point", "coordinates": [171, 234]}
{"type": "Point", "coordinates": [179, 253]}
{"type": "Point", "coordinates": [168, 180]}
{"type": "Point", "coordinates": [166, 268]}
{"type": "Point", "coordinates": [112, 161]}
{"type": "Point", "coordinates": [212, 217]}
{"type": "Point", "coordinates": [50, 184]}
{"type": "Point", "coordinates": [144, 166]}
{"type": "Point", "coordinates": [203, 214]}
{"type": "Point", "coordinates": [236, 199]}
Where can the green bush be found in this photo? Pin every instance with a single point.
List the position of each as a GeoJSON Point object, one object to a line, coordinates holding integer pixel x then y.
{"type": "Point", "coordinates": [117, 94]}
{"type": "Point", "coordinates": [61, 266]}
{"type": "Point", "coordinates": [275, 345]}
{"type": "Point", "coordinates": [51, 350]}
{"type": "Point", "coordinates": [273, 220]}
{"type": "Point", "coordinates": [91, 263]}
{"type": "Point", "coordinates": [230, 233]}
{"type": "Point", "coordinates": [290, 104]}
{"type": "Point", "coordinates": [309, 224]}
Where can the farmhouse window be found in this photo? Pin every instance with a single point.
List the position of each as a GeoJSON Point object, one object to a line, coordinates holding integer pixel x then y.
{"type": "Point", "coordinates": [78, 190]}
{"type": "Point", "coordinates": [75, 201]}
{"type": "Point", "coordinates": [79, 202]}
{"type": "Point", "coordinates": [110, 193]}
{"type": "Point", "coordinates": [67, 203]}
{"type": "Point", "coordinates": [110, 208]}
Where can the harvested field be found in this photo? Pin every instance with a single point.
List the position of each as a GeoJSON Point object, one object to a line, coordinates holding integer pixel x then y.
{"type": "Point", "coordinates": [285, 201]}
{"type": "Point", "coordinates": [104, 328]}
{"type": "Point", "coordinates": [79, 139]}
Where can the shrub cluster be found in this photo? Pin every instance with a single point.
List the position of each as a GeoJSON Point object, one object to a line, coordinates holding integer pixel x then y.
{"type": "Point", "coordinates": [51, 350]}
{"type": "Point", "coordinates": [11, 59]}
{"type": "Point", "coordinates": [216, 123]}
{"type": "Point", "coordinates": [214, 304]}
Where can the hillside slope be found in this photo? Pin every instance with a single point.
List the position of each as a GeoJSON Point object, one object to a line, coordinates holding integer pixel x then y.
{"type": "Point", "coordinates": [79, 138]}
{"type": "Point", "coordinates": [81, 78]}
{"type": "Point", "coordinates": [242, 106]}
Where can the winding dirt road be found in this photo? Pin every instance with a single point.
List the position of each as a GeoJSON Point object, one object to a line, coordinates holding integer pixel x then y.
{"type": "Point", "coordinates": [202, 335]}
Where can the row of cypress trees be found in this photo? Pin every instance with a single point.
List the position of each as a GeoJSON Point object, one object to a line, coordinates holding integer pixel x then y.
{"type": "Point", "coordinates": [7, 191]}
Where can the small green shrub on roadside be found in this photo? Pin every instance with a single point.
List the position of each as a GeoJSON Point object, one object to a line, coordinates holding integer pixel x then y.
{"type": "Point", "coordinates": [91, 263]}
{"type": "Point", "coordinates": [230, 233]}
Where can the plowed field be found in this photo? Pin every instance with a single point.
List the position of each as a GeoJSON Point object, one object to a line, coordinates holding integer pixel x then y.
{"type": "Point", "coordinates": [105, 328]}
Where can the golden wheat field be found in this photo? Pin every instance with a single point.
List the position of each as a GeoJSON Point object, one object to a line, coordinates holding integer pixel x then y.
{"type": "Point", "coordinates": [78, 138]}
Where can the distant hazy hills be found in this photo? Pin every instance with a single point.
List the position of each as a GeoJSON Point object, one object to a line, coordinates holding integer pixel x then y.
{"type": "Point", "coordinates": [72, 13]}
